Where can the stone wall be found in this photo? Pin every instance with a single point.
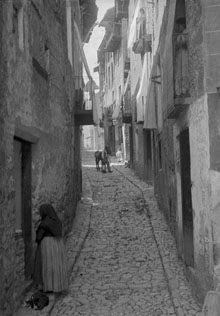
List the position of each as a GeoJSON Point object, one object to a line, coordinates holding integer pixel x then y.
{"type": "Point", "coordinates": [211, 11]}
{"type": "Point", "coordinates": [36, 108]}
{"type": "Point", "coordinates": [164, 175]}
{"type": "Point", "coordinates": [2, 156]}
{"type": "Point", "coordinates": [139, 161]}
{"type": "Point", "coordinates": [196, 119]}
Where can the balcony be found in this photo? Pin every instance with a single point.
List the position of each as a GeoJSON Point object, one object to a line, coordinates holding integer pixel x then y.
{"type": "Point", "coordinates": [181, 75]}
{"type": "Point", "coordinates": [127, 118]}
{"type": "Point", "coordinates": [101, 123]}
{"type": "Point", "coordinates": [126, 67]}
{"type": "Point", "coordinates": [121, 9]}
{"type": "Point", "coordinates": [89, 11]}
{"type": "Point", "coordinates": [126, 107]}
{"type": "Point", "coordinates": [82, 115]}
{"type": "Point", "coordinates": [114, 38]}
{"type": "Point", "coordinates": [79, 99]}
{"type": "Point", "coordinates": [178, 107]}
{"type": "Point", "coordinates": [142, 45]}
{"type": "Point", "coordinates": [181, 65]}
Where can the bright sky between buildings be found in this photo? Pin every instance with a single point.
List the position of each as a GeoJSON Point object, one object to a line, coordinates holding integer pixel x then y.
{"type": "Point", "coordinates": [90, 49]}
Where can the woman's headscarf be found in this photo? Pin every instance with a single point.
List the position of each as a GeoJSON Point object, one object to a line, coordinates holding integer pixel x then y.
{"type": "Point", "coordinates": [50, 220]}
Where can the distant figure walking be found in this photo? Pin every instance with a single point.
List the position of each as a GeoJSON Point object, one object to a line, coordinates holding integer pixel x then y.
{"type": "Point", "coordinates": [119, 155]}
{"type": "Point", "coordinates": [50, 269]}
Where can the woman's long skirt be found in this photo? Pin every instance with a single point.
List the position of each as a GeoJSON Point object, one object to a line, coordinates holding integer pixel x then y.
{"type": "Point", "coordinates": [54, 265]}
{"type": "Point", "coordinates": [37, 273]}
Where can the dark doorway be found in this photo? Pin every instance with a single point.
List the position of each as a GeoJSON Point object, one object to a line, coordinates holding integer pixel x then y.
{"type": "Point", "coordinates": [22, 172]}
{"type": "Point", "coordinates": [148, 155]}
{"type": "Point", "coordinates": [187, 211]}
{"type": "Point", "coordinates": [111, 140]}
{"type": "Point", "coordinates": [131, 146]}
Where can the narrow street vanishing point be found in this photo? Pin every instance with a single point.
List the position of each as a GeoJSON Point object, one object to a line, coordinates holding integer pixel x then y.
{"type": "Point", "coordinates": [137, 82]}
{"type": "Point", "coordinates": [128, 264]}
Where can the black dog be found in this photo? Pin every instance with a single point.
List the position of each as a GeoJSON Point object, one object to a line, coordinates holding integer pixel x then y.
{"type": "Point", "coordinates": [38, 301]}
{"type": "Point", "coordinates": [98, 158]}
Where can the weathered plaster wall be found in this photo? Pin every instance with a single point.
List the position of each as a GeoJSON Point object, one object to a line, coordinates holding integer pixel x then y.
{"type": "Point", "coordinates": [140, 152]}
{"type": "Point", "coordinates": [197, 119]}
{"type": "Point", "coordinates": [3, 75]}
{"type": "Point", "coordinates": [168, 179]}
{"type": "Point", "coordinates": [13, 270]}
{"type": "Point", "coordinates": [211, 26]}
{"type": "Point", "coordinates": [212, 82]}
{"type": "Point", "coordinates": [109, 62]}
{"type": "Point", "coordinates": [165, 182]}
{"type": "Point", "coordinates": [200, 162]}
{"type": "Point", "coordinates": [135, 74]}
{"type": "Point", "coordinates": [214, 140]}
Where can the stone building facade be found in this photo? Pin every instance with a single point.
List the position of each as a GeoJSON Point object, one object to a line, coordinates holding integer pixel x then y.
{"type": "Point", "coordinates": [181, 116]}
{"type": "Point", "coordinates": [185, 148]}
{"type": "Point", "coordinates": [39, 140]}
{"type": "Point", "coordinates": [112, 59]}
{"type": "Point", "coordinates": [173, 93]}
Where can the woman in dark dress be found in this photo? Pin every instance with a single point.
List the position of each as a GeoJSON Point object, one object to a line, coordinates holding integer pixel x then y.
{"type": "Point", "coordinates": [50, 270]}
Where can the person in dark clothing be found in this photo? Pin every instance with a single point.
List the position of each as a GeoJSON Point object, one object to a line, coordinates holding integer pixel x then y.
{"type": "Point", "coordinates": [50, 269]}
{"type": "Point", "coordinates": [50, 224]}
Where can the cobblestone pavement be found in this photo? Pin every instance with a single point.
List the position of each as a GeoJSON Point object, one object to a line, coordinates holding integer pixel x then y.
{"type": "Point", "coordinates": [127, 264]}
{"type": "Point", "coordinates": [74, 243]}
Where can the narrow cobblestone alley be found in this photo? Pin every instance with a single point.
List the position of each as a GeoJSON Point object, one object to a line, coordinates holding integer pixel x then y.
{"type": "Point", "coordinates": [128, 264]}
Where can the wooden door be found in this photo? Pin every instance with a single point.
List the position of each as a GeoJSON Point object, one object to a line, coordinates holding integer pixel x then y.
{"type": "Point", "coordinates": [22, 174]}
{"type": "Point", "coordinates": [187, 211]}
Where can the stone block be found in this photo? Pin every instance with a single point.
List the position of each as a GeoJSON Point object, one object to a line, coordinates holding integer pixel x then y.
{"type": "Point", "coordinates": [212, 73]}
{"type": "Point", "coordinates": [212, 21]}
{"type": "Point", "coordinates": [211, 305]}
{"type": "Point", "coordinates": [209, 3]}
{"type": "Point", "coordinates": [212, 41]}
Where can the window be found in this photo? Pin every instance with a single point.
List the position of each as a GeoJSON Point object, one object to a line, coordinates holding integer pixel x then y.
{"type": "Point", "coordinates": [159, 154]}
{"type": "Point", "coordinates": [18, 184]}
{"type": "Point", "coordinates": [15, 21]}
{"type": "Point", "coordinates": [23, 198]}
{"type": "Point", "coordinates": [157, 9]}
{"type": "Point", "coordinates": [21, 28]}
{"type": "Point", "coordinates": [69, 31]}
{"type": "Point", "coordinates": [47, 57]}
{"type": "Point", "coordinates": [112, 74]}
{"type": "Point", "coordinates": [109, 72]}
{"type": "Point", "coordinates": [119, 93]}
{"type": "Point", "coordinates": [18, 25]}
{"type": "Point", "coordinates": [141, 25]}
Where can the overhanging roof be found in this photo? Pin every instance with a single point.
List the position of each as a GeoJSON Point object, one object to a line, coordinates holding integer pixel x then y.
{"type": "Point", "coordinates": [89, 11]}
{"type": "Point", "coordinates": [109, 17]}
